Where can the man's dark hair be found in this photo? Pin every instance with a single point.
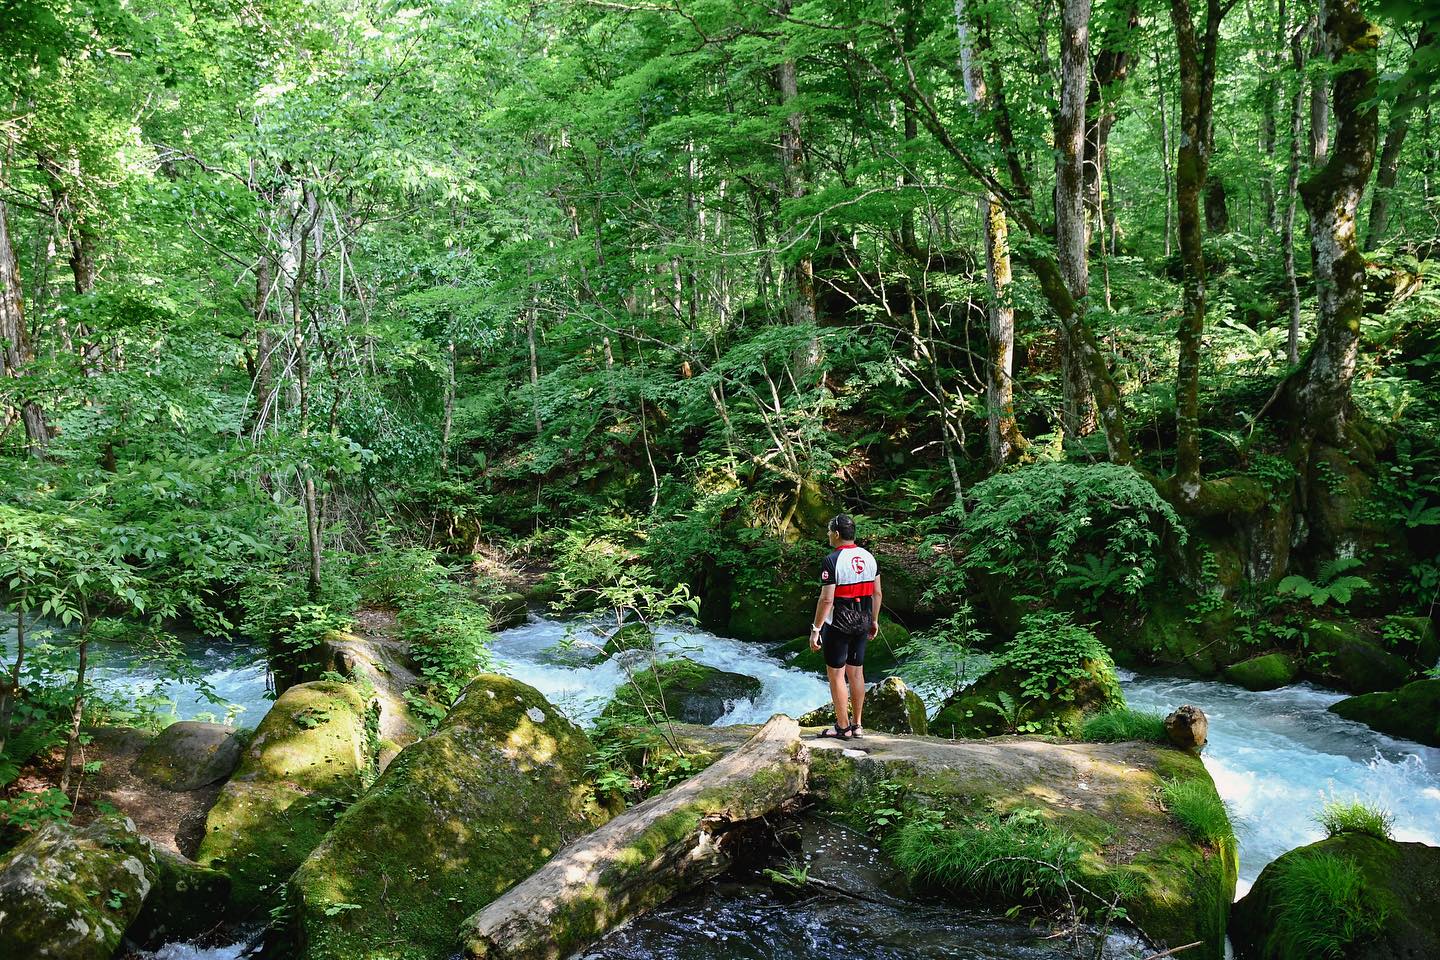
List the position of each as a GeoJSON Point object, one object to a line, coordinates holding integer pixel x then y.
{"type": "Point", "coordinates": [843, 526]}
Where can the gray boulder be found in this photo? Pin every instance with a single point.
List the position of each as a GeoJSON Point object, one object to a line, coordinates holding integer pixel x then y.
{"type": "Point", "coordinates": [189, 755]}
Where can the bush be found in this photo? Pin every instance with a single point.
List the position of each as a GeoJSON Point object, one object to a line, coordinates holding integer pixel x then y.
{"type": "Point", "coordinates": [1122, 723]}
{"type": "Point", "coordinates": [1089, 530]}
{"type": "Point", "coordinates": [1010, 857]}
{"type": "Point", "coordinates": [1321, 906]}
{"type": "Point", "coordinates": [1355, 817]}
{"type": "Point", "coordinates": [1051, 653]}
{"type": "Point", "coordinates": [1199, 809]}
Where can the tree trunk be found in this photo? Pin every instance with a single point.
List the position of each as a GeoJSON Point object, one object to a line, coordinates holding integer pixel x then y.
{"type": "Point", "coordinates": [530, 315]}
{"type": "Point", "coordinates": [1269, 107]}
{"type": "Point", "coordinates": [1005, 440]}
{"type": "Point", "coordinates": [1070, 220]}
{"type": "Point", "coordinates": [1319, 102]}
{"type": "Point", "coordinates": [77, 711]}
{"type": "Point", "coordinates": [598, 882]}
{"type": "Point", "coordinates": [1332, 197]}
{"type": "Point", "coordinates": [1112, 67]}
{"type": "Point", "coordinates": [1164, 152]}
{"type": "Point", "coordinates": [308, 215]}
{"type": "Point", "coordinates": [11, 690]}
{"type": "Point", "coordinates": [1292, 192]}
{"type": "Point", "coordinates": [15, 352]}
{"type": "Point", "coordinates": [1395, 131]}
{"type": "Point", "coordinates": [801, 306]}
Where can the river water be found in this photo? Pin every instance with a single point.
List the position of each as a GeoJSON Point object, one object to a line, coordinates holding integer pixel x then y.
{"type": "Point", "coordinates": [1275, 758]}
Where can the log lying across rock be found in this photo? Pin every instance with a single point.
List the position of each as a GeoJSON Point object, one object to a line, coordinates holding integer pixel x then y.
{"type": "Point", "coordinates": [642, 858]}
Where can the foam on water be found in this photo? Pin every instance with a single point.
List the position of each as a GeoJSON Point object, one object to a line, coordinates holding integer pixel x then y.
{"type": "Point", "coordinates": [561, 659]}
{"type": "Point", "coordinates": [1277, 756]}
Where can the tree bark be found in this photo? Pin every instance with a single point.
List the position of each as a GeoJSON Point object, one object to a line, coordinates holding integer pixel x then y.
{"type": "Point", "coordinates": [15, 352]}
{"type": "Point", "coordinates": [1319, 101]}
{"type": "Point", "coordinates": [1332, 198]}
{"type": "Point", "coordinates": [1112, 68]}
{"type": "Point", "coordinates": [1292, 193]}
{"type": "Point", "coordinates": [1070, 219]}
{"type": "Point", "coordinates": [77, 711]}
{"type": "Point", "coordinates": [1005, 439]}
{"type": "Point", "coordinates": [11, 690]}
{"type": "Point", "coordinates": [1396, 129]}
{"type": "Point", "coordinates": [598, 882]}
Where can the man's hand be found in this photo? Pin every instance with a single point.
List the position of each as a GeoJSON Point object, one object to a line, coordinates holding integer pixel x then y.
{"type": "Point", "coordinates": [814, 638]}
{"type": "Point", "coordinates": [874, 627]}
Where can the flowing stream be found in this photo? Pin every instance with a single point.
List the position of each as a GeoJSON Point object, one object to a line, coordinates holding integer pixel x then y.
{"type": "Point", "coordinates": [1275, 758]}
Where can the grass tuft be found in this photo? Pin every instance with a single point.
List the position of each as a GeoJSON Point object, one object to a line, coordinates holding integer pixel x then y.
{"type": "Point", "coordinates": [1122, 723]}
{"type": "Point", "coordinates": [1000, 856]}
{"type": "Point", "coordinates": [1199, 809]}
{"type": "Point", "coordinates": [1355, 817]}
{"type": "Point", "coordinates": [1320, 907]}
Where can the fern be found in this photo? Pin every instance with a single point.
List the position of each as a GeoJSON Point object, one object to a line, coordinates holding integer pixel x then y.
{"type": "Point", "coordinates": [1331, 583]}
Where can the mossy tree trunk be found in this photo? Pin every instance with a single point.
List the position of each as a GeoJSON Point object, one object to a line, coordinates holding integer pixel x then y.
{"type": "Point", "coordinates": [1070, 221]}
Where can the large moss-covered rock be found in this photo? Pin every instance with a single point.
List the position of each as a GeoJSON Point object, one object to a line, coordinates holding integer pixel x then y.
{"type": "Point", "coordinates": [1396, 898]}
{"type": "Point", "coordinates": [882, 652]}
{"type": "Point", "coordinates": [1415, 639]}
{"type": "Point", "coordinates": [1268, 671]}
{"type": "Point", "coordinates": [185, 902]}
{"type": "Point", "coordinates": [1106, 796]}
{"type": "Point", "coordinates": [1173, 635]}
{"type": "Point", "coordinates": [996, 704]}
{"type": "Point", "coordinates": [1412, 712]}
{"type": "Point", "coordinates": [1339, 655]}
{"type": "Point", "coordinates": [890, 706]}
{"type": "Point", "coordinates": [189, 754]}
{"type": "Point", "coordinates": [69, 894]}
{"type": "Point", "coordinates": [305, 764]}
{"type": "Point", "coordinates": [453, 822]}
{"type": "Point", "coordinates": [771, 615]}
{"type": "Point", "coordinates": [682, 689]}
{"type": "Point", "coordinates": [632, 636]}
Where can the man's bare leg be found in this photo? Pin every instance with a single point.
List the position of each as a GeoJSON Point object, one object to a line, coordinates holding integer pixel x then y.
{"type": "Point", "coordinates": [856, 676]}
{"type": "Point", "coordinates": [838, 694]}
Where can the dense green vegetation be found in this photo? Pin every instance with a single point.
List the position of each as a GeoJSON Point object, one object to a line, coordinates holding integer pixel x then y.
{"type": "Point", "coordinates": [1122, 352]}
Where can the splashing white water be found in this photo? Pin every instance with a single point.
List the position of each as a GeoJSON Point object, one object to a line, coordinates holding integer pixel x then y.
{"type": "Point", "coordinates": [1278, 756]}
{"type": "Point", "coordinates": [562, 661]}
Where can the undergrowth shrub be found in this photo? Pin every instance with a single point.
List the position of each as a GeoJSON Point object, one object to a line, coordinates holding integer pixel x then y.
{"type": "Point", "coordinates": [1321, 906]}
{"type": "Point", "coordinates": [1355, 817]}
{"type": "Point", "coordinates": [1051, 652]}
{"type": "Point", "coordinates": [1122, 723]}
{"type": "Point", "coordinates": [1199, 809]}
{"type": "Point", "coordinates": [1016, 856]}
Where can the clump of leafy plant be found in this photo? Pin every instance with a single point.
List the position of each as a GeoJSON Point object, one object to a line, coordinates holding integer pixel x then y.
{"type": "Point", "coordinates": [1122, 723]}
{"type": "Point", "coordinates": [946, 658]}
{"type": "Point", "coordinates": [1355, 816]}
{"type": "Point", "coordinates": [1015, 856]}
{"type": "Point", "coordinates": [634, 759]}
{"type": "Point", "coordinates": [1320, 906]}
{"type": "Point", "coordinates": [1331, 583]}
{"type": "Point", "coordinates": [1199, 809]}
{"type": "Point", "coordinates": [1051, 652]}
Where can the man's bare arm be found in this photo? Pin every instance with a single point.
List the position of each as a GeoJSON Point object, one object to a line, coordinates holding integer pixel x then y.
{"type": "Point", "coordinates": [822, 610]}
{"type": "Point", "coordinates": [875, 612]}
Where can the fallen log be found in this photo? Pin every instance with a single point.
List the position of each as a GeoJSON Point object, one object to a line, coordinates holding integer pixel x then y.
{"type": "Point", "coordinates": [643, 857]}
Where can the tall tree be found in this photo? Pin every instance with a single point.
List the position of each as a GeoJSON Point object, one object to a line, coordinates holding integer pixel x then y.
{"type": "Point", "coordinates": [1070, 218]}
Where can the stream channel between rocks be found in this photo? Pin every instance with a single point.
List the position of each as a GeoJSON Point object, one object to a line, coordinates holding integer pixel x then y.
{"type": "Point", "coordinates": [1275, 758]}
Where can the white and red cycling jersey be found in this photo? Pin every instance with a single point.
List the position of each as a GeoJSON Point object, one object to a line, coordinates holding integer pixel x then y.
{"type": "Point", "coordinates": [852, 571]}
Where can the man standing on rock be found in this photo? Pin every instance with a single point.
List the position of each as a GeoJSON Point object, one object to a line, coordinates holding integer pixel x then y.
{"type": "Point", "coordinates": [847, 615]}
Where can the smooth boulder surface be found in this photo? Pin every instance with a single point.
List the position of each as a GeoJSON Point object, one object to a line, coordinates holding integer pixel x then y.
{"type": "Point", "coordinates": [189, 754]}
{"type": "Point", "coordinates": [682, 689]}
{"type": "Point", "coordinates": [1340, 657]}
{"type": "Point", "coordinates": [995, 705]}
{"type": "Point", "coordinates": [890, 707]}
{"type": "Point", "coordinates": [69, 894]}
{"type": "Point", "coordinates": [1400, 881]}
{"type": "Point", "coordinates": [452, 823]}
{"type": "Point", "coordinates": [1412, 712]}
{"type": "Point", "coordinates": [305, 764]}
{"type": "Point", "coordinates": [1269, 671]}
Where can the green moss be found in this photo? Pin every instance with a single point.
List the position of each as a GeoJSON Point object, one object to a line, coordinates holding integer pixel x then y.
{"type": "Point", "coordinates": [890, 707]}
{"type": "Point", "coordinates": [632, 636]}
{"type": "Point", "coordinates": [452, 823]}
{"type": "Point", "coordinates": [305, 764]}
{"type": "Point", "coordinates": [1412, 712]}
{"type": "Point", "coordinates": [1174, 635]}
{"type": "Point", "coordinates": [681, 689]}
{"type": "Point", "coordinates": [1266, 672]}
{"type": "Point", "coordinates": [1339, 655]}
{"type": "Point", "coordinates": [995, 705]}
{"type": "Point", "coordinates": [769, 616]}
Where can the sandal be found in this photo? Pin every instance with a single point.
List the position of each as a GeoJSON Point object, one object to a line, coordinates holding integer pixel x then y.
{"type": "Point", "coordinates": [835, 732]}
{"type": "Point", "coordinates": [855, 731]}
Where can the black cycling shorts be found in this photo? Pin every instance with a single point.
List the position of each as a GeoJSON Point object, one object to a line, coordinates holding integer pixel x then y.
{"type": "Point", "coordinates": [842, 648]}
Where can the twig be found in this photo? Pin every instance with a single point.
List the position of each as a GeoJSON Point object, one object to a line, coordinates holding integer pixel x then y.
{"type": "Point", "coordinates": [1174, 950]}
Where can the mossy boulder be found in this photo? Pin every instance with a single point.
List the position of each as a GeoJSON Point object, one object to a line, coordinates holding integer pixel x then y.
{"type": "Point", "coordinates": [1338, 654]}
{"type": "Point", "coordinates": [997, 704]}
{"type": "Point", "coordinates": [1104, 796]}
{"type": "Point", "coordinates": [1412, 712]}
{"type": "Point", "coordinates": [183, 904]}
{"type": "Point", "coordinates": [890, 706]}
{"type": "Point", "coordinates": [189, 754]}
{"type": "Point", "coordinates": [771, 615]}
{"type": "Point", "coordinates": [69, 893]}
{"type": "Point", "coordinates": [1399, 887]}
{"type": "Point", "coordinates": [1415, 639]}
{"type": "Point", "coordinates": [882, 653]}
{"type": "Point", "coordinates": [1268, 671]}
{"type": "Point", "coordinates": [451, 824]}
{"type": "Point", "coordinates": [682, 689]}
{"type": "Point", "coordinates": [305, 764]}
{"type": "Point", "coordinates": [1174, 635]}
{"type": "Point", "coordinates": [632, 636]}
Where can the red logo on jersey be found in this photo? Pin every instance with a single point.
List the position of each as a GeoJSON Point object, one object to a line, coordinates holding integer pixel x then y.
{"type": "Point", "coordinates": [824, 574]}
{"type": "Point", "coordinates": [857, 564]}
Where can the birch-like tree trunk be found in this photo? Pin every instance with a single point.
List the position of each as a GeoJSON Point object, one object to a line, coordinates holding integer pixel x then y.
{"type": "Point", "coordinates": [1292, 193]}
{"type": "Point", "coordinates": [15, 352]}
{"type": "Point", "coordinates": [1070, 232]}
